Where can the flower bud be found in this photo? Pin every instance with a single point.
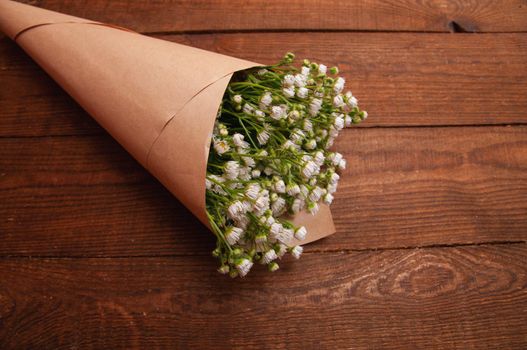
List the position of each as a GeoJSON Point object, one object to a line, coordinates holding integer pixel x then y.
{"type": "Point", "coordinates": [273, 266]}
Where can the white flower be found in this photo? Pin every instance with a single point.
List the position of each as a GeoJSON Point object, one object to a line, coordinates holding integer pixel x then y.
{"type": "Point", "coordinates": [297, 251]}
{"type": "Point", "coordinates": [286, 235]}
{"type": "Point", "coordinates": [289, 92]}
{"type": "Point", "coordinates": [269, 256]}
{"type": "Point", "coordinates": [245, 173]}
{"type": "Point", "coordinates": [236, 210]}
{"type": "Point", "coordinates": [263, 137]}
{"type": "Point", "coordinates": [310, 169]}
{"type": "Point", "coordinates": [278, 206]}
{"type": "Point", "coordinates": [311, 144]}
{"type": "Point", "coordinates": [342, 164]}
{"type": "Point", "coordinates": [279, 186]}
{"type": "Point", "coordinates": [208, 184]}
{"type": "Point", "coordinates": [238, 141]}
{"type": "Point", "coordinates": [221, 146]}
{"type": "Point", "coordinates": [237, 99]}
{"type": "Point", "coordinates": [266, 100]}
{"type": "Point", "coordinates": [333, 132]}
{"type": "Point", "coordinates": [329, 142]}
{"type": "Point", "coordinates": [315, 194]}
{"type": "Point", "coordinates": [277, 112]}
{"type": "Point", "coordinates": [300, 233]}
{"type": "Point", "coordinates": [302, 92]}
{"type": "Point", "coordinates": [253, 191]}
{"type": "Point", "coordinates": [312, 207]}
{"type": "Point", "coordinates": [319, 158]}
{"type": "Point", "coordinates": [308, 126]}
{"type": "Point", "coordinates": [247, 108]}
{"type": "Point", "coordinates": [348, 121]}
{"type": "Point", "coordinates": [246, 206]}
{"type": "Point", "coordinates": [244, 266]}
{"type": "Point", "coordinates": [215, 187]}
{"type": "Point", "coordinates": [275, 230]}
{"type": "Point", "coordinates": [314, 106]}
{"type": "Point", "coordinates": [300, 80]}
{"type": "Point", "coordinates": [288, 144]}
{"type": "Point", "coordinates": [305, 71]}
{"type": "Point", "coordinates": [233, 234]}
{"type": "Point", "coordinates": [260, 239]}
{"type": "Point", "coordinates": [334, 178]}
{"type": "Point", "coordinates": [261, 204]}
{"type": "Point", "coordinates": [328, 198]}
{"type": "Point", "coordinates": [335, 158]}
{"type": "Point", "coordinates": [339, 122]}
{"type": "Point", "coordinates": [364, 114]}
{"type": "Point", "coordinates": [232, 169]}
{"type": "Point", "coordinates": [289, 80]}
{"type": "Point", "coordinates": [282, 249]}
{"type": "Point", "coordinates": [304, 191]}
{"type": "Point", "coordinates": [322, 69]}
{"type": "Point", "coordinates": [298, 135]}
{"type": "Point", "coordinates": [259, 115]}
{"type": "Point", "coordinates": [292, 189]}
{"type": "Point", "coordinates": [256, 173]}
{"type": "Point", "coordinates": [298, 205]}
{"type": "Point", "coordinates": [352, 101]}
{"type": "Point", "coordinates": [249, 162]}
{"type": "Point", "coordinates": [339, 85]}
{"type": "Point", "coordinates": [338, 101]}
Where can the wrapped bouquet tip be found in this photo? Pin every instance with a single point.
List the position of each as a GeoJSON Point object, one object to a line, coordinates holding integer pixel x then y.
{"type": "Point", "coordinates": [244, 146]}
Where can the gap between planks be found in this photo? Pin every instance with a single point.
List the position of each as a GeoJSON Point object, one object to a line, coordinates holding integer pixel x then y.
{"type": "Point", "coordinates": [362, 126]}
{"type": "Point", "coordinates": [456, 29]}
{"type": "Point", "coordinates": [306, 252]}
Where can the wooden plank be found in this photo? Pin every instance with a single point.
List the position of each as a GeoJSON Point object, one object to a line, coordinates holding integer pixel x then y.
{"type": "Point", "coordinates": [236, 15]}
{"type": "Point", "coordinates": [401, 79]}
{"type": "Point", "coordinates": [440, 298]}
{"type": "Point", "coordinates": [404, 187]}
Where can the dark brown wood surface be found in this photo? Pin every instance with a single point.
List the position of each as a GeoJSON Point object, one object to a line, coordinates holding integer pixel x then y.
{"type": "Point", "coordinates": [241, 15]}
{"type": "Point", "coordinates": [431, 215]}
{"type": "Point", "coordinates": [434, 298]}
{"type": "Point", "coordinates": [401, 78]}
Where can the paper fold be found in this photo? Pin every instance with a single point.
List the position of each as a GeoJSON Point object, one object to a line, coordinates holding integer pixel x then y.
{"type": "Point", "coordinates": [156, 98]}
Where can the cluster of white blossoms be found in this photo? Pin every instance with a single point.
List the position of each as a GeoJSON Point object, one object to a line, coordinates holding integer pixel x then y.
{"type": "Point", "coordinates": [270, 156]}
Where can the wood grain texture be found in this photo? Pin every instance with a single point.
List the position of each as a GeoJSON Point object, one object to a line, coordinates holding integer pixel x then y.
{"type": "Point", "coordinates": [404, 187]}
{"type": "Point", "coordinates": [431, 215]}
{"type": "Point", "coordinates": [401, 79]}
{"type": "Point", "coordinates": [438, 298]}
{"type": "Point", "coordinates": [236, 15]}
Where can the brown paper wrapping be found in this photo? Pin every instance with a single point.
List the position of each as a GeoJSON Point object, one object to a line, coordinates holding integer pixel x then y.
{"type": "Point", "coordinates": [156, 98]}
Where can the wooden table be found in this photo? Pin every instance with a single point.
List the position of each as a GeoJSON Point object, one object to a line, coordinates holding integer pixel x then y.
{"type": "Point", "coordinates": [430, 250]}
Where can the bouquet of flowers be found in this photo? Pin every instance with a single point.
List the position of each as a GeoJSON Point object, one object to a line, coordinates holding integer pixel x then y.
{"type": "Point", "coordinates": [258, 170]}
{"type": "Point", "coordinates": [271, 156]}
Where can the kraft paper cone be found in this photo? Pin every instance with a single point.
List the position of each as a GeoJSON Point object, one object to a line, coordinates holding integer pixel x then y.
{"type": "Point", "coordinates": [158, 99]}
